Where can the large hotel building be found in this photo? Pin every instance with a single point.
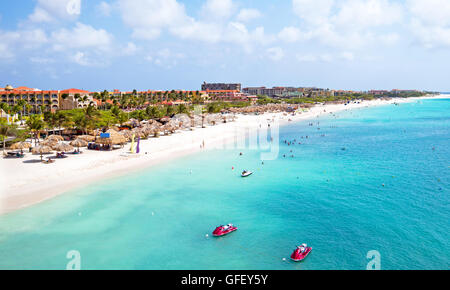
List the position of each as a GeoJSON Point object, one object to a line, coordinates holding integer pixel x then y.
{"type": "Point", "coordinates": [52, 100]}
{"type": "Point", "coordinates": [221, 87]}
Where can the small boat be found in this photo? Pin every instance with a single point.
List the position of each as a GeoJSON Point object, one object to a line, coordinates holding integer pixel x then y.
{"type": "Point", "coordinates": [301, 253]}
{"type": "Point", "coordinates": [221, 231]}
{"type": "Point", "coordinates": [246, 173]}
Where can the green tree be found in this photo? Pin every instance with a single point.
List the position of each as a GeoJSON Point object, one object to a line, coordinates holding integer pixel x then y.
{"type": "Point", "coordinates": [35, 124]}
{"type": "Point", "coordinates": [5, 131]}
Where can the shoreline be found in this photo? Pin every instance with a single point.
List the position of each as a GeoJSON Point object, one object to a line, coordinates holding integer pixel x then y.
{"type": "Point", "coordinates": [27, 184]}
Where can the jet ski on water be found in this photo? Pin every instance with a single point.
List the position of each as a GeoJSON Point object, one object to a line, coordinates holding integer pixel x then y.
{"type": "Point", "coordinates": [246, 173]}
{"type": "Point", "coordinates": [301, 253]}
{"type": "Point", "coordinates": [221, 231]}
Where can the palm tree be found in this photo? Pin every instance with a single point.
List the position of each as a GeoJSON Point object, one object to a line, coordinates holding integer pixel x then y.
{"type": "Point", "coordinates": [60, 119]}
{"type": "Point", "coordinates": [81, 123]}
{"type": "Point", "coordinates": [5, 107]}
{"type": "Point", "coordinates": [35, 125]}
{"type": "Point", "coordinates": [5, 131]}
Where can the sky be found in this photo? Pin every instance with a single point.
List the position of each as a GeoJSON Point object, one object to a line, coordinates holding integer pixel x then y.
{"type": "Point", "coordinates": [179, 44]}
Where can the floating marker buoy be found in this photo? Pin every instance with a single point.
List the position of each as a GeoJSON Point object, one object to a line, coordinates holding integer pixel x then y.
{"type": "Point", "coordinates": [206, 235]}
{"type": "Point", "coordinates": [284, 259]}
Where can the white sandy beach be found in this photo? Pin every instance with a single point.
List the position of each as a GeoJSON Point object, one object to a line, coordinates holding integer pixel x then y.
{"type": "Point", "coordinates": [24, 184]}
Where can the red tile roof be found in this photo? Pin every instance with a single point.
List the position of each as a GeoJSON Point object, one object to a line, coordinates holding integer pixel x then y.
{"type": "Point", "coordinates": [75, 91]}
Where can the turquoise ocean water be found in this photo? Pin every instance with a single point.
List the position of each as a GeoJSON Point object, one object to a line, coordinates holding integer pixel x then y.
{"type": "Point", "coordinates": [331, 198]}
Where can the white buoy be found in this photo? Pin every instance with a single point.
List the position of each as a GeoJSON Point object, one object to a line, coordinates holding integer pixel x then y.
{"type": "Point", "coordinates": [284, 259]}
{"type": "Point", "coordinates": [153, 213]}
{"type": "Point", "coordinates": [207, 235]}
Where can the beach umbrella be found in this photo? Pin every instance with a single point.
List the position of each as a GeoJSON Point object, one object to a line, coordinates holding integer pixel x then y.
{"type": "Point", "coordinates": [114, 139]}
{"type": "Point", "coordinates": [140, 132]}
{"type": "Point", "coordinates": [79, 143]}
{"type": "Point", "coordinates": [20, 146]}
{"type": "Point", "coordinates": [87, 138]}
{"type": "Point", "coordinates": [55, 137]}
{"type": "Point", "coordinates": [62, 147]}
{"type": "Point", "coordinates": [127, 134]}
{"type": "Point", "coordinates": [41, 150]}
{"type": "Point", "coordinates": [49, 143]}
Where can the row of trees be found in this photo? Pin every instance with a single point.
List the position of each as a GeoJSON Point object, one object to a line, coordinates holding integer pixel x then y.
{"type": "Point", "coordinates": [263, 100]}
{"type": "Point", "coordinates": [135, 100]}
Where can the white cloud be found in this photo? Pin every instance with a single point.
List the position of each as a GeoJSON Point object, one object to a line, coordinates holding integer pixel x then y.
{"type": "Point", "coordinates": [325, 57]}
{"type": "Point", "coordinates": [130, 49]}
{"type": "Point", "coordinates": [14, 42]}
{"type": "Point", "coordinates": [290, 34]}
{"type": "Point", "coordinates": [5, 52]}
{"type": "Point", "coordinates": [218, 9]}
{"type": "Point", "coordinates": [362, 14]}
{"type": "Point", "coordinates": [306, 58]}
{"type": "Point", "coordinates": [165, 58]}
{"type": "Point", "coordinates": [50, 10]}
{"type": "Point", "coordinates": [347, 24]}
{"type": "Point", "coordinates": [150, 18]}
{"type": "Point", "coordinates": [82, 36]}
{"type": "Point", "coordinates": [430, 22]}
{"type": "Point", "coordinates": [40, 15]}
{"type": "Point", "coordinates": [81, 59]}
{"type": "Point", "coordinates": [41, 60]}
{"type": "Point", "coordinates": [430, 12]}
{"type": "Point", "coordinates": [104, 8]}
{"type": "Point", "coordinates": [275, 53]}
{"type": "Point", "coordinates": [313, 11]}
{"type": "Point", "coordinates": [246, 15]}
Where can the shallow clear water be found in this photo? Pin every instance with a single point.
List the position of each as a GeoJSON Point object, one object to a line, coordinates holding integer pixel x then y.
{"type": "Point", "coordinates": [333, 199]}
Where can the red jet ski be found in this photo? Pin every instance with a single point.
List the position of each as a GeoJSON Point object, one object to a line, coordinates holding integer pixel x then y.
{"type": "Point", "coordinates": [301, 253]}
{"type": "Point", "coordinates": [224, 230]}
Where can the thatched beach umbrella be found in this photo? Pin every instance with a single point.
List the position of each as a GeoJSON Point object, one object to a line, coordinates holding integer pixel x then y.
{"type": "Point", "coordinates": [140, 133]}
{"type": "Point", "coordinates": [20, 146]}
{"type": "Point", "coordinates": [127, 134]}
{"type": "Point", "coordinates": [79, 143]}
{"type": "Point", "coordinates": [87, 138]}
{"type": "Point", "coordinates": [49, 142]}
{"type": "Point", "coordinates": [62, 147]}
{"type": "Point", "coordinates": [41, 150]}
{"type": "Point", "coordinates": [114, 139]}
{"type": "Point", "coordinates": [55, 137]}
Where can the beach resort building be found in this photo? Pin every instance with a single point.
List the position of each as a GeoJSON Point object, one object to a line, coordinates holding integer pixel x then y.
{"type": "Point", "coordinates": [230, 96]}
{"type": "Point", "coordinates": [221, 87]}
{"type": "Point", "coordinates": [38, 100]}
{"type": "Point", "coordinates": [75, 99]}
{"type": "Point", "coordinates": [275, 92]}
{"type": "Point", "coordinates": [45, 100]}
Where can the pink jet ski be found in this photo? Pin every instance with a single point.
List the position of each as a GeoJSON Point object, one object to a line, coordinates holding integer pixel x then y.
{"type": "Point", "coordinates": [224, 230]}
{"type": "Point", "coordinates": [301, 253]}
